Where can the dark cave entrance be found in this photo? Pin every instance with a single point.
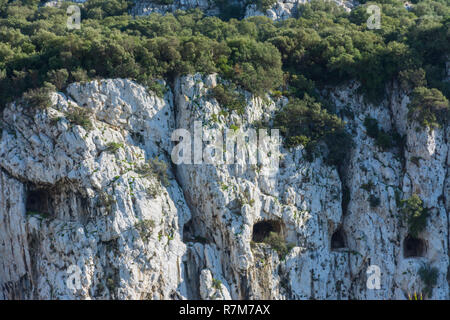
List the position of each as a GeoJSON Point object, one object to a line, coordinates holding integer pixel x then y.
{"type": "Point", "coordinates": [188, 232]}
{"type": "Point", "coordinates": [262, 229]}
{"type": "Point", "coordinates": [413, 247]}
{"type": "Point", "coordinates": [192, 234]}
{"type": "Point", "coordinates": [338, 240]}
{"type": "Point", "coordinates": [38, 201]}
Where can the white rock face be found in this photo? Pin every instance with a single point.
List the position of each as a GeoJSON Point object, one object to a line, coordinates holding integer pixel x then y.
{"type": "Point", "coordinates": [285, 9]}
{"type": "Point", "coordinates": [143, 7]}
{"type": "Point", "coordinates": [377, 233]}
{"type": "Point", "coordinates": [303, 197]}
{"type": "Point", "coordinates": [57, 3]}
{"type": "Point", "coordinates": [281, 10]}
{"type": "Point", "coordinates": [92, 207]}
{"type": "Point", "coordinates": [70, 201]}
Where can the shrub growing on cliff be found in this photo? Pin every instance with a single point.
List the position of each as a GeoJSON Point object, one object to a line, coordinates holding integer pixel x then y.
{"type": "Point", "coordinates": [216, 284]}
{"type": "Point", "coordinates": [37, 98]}
{"type": "Point", "coordinates": [228, 98]}
{"type": "Point", "coordinates": [145, 227]}
{"type": "Point", "coordinates": [157, 168]}
{"type": "Point", "coordinates": [158, 88]}
{"type": "Point", "coordinates": [58, 78]}
{"type": "Point", "coordinates": [429, 276]}
{"type": "Point", "coordinates": [262, 4]}
{"type": "Point", "coordinates": [414, 214]}
{"type": "Point", "coordinates": [429, 107]}
{"type": "Point", "coordinates": [304, 121]}
{"type": "Point", "coordinates": [153, 191]}
{"type": "Point", "coordinates": [277, 243]}
{"type": "Point", "coordinates": [371, 125]}
{"type": "Point", "coordinates": [384, 140]}
{"type": "Point", "coordinates": [113, 147]}
{"type": "Point", "coordinates": [80, 117]}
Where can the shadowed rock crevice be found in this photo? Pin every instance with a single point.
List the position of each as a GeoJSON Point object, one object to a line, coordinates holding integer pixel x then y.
{"type": "Point", "coordinates": [413, 247]}
{"type": "Point", "coordinates": [38, 201]}
{"type": "Point", "coordinates": [262, 229]}
{"type": "Point", "coordinates": [338, 240]}
{"type": "Point", "coordinates": [190, 234]}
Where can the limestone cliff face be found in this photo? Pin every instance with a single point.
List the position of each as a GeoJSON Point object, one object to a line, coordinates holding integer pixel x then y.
{"type": "Point", "coordinates": [142, 8]}
{"type": "Point", "coordinates": [75, 197]}
{"type": "Point", "coordinates": [421, 167]}
{"type": "Point", "coordinates": [67, 199]}
{"type": "Point", "coordinates": [281, 10]}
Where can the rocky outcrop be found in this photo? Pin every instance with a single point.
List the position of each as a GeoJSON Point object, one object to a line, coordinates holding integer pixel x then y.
{"type": "Point", "coordinates": [281, 10]}
{"type": "Point", "coordinates": [376, 232]}
{"type": "Point", "coordinates": [143, 8]}
{"type": "Point", "coordinates": [69, 203]}
{"type": "Point", "coordinates": [303, 199]}
{"type": "Point", "coordinates": [79, 199]}
{"type": "Point", "coordinates": [285, 9]}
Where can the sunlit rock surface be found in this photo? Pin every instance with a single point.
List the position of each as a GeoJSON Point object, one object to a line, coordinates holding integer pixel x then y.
{"type": "Point", "coordinates": [74, 198]}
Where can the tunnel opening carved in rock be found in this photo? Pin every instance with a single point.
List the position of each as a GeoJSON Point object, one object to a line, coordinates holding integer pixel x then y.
{"type": "Point", "coordinates": [413, 247]}
{"type": "Point", "coordinates": [38, 201]}
{"type": "Point", "coordinates": [262, 229]}
{"type": "Point", "coordinates": [338, 240]}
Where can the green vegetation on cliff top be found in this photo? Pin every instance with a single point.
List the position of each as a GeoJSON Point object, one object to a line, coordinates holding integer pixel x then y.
{"type": "Point", "coordinates": [297, 57]}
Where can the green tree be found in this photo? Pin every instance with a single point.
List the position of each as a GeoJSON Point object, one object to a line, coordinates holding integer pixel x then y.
{"type": "Point", "coordinates": [414, 214]}
{"type": "Point", "coordinates": [58, 77]}
{"type": "Point", "coordinates": [429, 107]}
{"type": "Point", "coordinates": [304, 121]}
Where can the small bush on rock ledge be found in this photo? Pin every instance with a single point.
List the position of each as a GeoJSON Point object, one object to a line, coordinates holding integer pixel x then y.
{"type": "Point", "coordinates": [37, 98]}
{"type": "Point", "coordinates": [80, 117]}
{"type": "Point", "coordinates": [429, 276]}
{"type": "Point", "coordinates": [158, 88]}
{"type": "Point", "coordinates": [217, 284]}
{"type": "Point", "coordinates": [429, 107]}
{"type": "Point", "coordinates": [414, 214]}
{"type": "Point", "coordinates": [153, 191]}
{"type": "Point", "coordinates": [384, 140]}
{"type": "Point", "coordinates": [145, 228]}
{"type": "Point", "coordinates": [157, 168]}
{"type": "Point", "coordinates": [277, 243]}
{"type": "Point", "coordinates": [113, 147]}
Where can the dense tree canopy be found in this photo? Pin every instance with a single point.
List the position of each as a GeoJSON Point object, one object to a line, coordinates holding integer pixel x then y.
{"type": "Point", "coordinates": [429, 107]}
{"type": "Point", "coordinates": [324, 45]}
{"type": "Point", "coordinates": [307, 123]}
